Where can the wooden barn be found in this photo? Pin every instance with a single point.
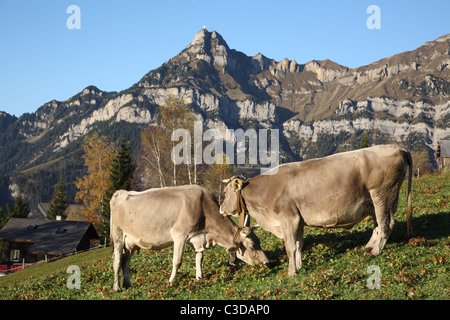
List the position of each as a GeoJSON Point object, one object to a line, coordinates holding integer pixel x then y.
{"type": "Point", "coordinates": [443, 154]}
{"type": "Point", "coordinates": [34, 240]}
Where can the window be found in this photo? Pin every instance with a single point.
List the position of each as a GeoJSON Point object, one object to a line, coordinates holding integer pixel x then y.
{"type": "Point", "coordinates": [14, 255]}
{"type": "Point", "coordinates": [60, 230]}
{"type": "Point", "coordinates": [32, 227]}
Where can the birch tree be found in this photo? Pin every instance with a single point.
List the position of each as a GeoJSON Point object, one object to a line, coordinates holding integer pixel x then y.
{"type": "Point", "coordinates": [155, 165]}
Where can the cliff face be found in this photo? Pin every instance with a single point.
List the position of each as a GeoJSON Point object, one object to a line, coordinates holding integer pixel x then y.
{"type": "Point", "coordinates": [320, 103]}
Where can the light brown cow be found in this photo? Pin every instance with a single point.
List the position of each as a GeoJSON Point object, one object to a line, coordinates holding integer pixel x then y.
{"type": "Point", "coordinates": [335, 191]}
{"type": "Point", "coordinates": [158, 218]}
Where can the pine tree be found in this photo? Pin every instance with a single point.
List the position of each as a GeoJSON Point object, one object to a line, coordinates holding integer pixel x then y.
{"type": "Point", "coordinates": [20, 210]}
{"type": "Point", "coordinates": [121, 177]}
{"type": "Point", "coordinates": [3, 217]}
{"type": "Point", "coordinates": [122, 168]}
{"type": "Point", "coordinates": [58, 205]}
{"type": "Point", "coordinates": [364, 143]}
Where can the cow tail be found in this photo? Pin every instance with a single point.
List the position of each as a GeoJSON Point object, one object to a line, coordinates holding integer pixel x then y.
{"type": "Point", "coordinates": [111, 242]}
{"type": "Point", "coordinates": [409, 210]}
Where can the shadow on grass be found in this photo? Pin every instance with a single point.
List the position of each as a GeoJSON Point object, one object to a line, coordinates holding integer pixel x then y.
{"type": "Point", "coordinates": [429, 226]}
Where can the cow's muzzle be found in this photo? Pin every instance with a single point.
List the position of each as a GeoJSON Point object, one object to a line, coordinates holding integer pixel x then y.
{"type": "Point", "coordinates": [221, 211]}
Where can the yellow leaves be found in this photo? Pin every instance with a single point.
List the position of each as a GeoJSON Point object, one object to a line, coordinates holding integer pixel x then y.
{"type": "Point", "coordinates": [155, 162]}
{"type": "Point", "coordinates": [93, 186]}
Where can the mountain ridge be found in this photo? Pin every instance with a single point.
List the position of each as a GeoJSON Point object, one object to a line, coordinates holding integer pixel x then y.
{"type": "Point", "coordinates": [404, 97]}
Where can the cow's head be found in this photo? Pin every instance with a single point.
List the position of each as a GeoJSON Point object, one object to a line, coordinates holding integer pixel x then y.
{"type": "Point", "coordinates": [229, 204]}
{"type": "Point", "coordinates": [247, 247]}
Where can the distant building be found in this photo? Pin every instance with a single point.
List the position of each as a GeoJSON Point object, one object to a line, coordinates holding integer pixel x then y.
{"type": "Point", "coordinates": [72, 212]}
{"type": "Point", "coordinates": [443, 154]}
{"type": "Point", "coordinates": [34, 240]}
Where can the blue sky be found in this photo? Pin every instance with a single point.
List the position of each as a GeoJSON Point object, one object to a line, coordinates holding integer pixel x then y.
{"type": "Point", "coordinates": [120, 41]}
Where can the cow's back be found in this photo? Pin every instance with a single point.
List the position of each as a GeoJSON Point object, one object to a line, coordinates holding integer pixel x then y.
{"type": "Point", "coordinates": [150, 218]}
{"type": "Point", "coordinates": [331, 191]}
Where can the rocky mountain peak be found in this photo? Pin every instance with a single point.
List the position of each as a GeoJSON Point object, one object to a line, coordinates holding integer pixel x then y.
{"type": "Point", "coordinates": [205, 39]}
{"type": "Point", "coordinates": [210, 47]}
{"type": "Point", "coordinates": [93, 90]}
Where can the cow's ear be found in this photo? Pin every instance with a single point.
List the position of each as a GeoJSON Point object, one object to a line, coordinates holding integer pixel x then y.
{"type": "Point", "coordinates": [239, 184]}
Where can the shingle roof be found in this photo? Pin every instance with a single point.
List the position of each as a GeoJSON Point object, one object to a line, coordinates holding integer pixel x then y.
{"type": "Point", "coordinates": [445, 148]}
{"type": "Point", "coordinates": [43, 233]}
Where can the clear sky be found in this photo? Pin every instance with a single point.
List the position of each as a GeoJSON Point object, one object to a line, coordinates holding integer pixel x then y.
{"type": "Point", "coordinates": [41, 59]}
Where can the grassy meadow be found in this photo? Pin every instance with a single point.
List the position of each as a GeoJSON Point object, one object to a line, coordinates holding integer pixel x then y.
{"type": "Point", "coordinates": [334, 265]}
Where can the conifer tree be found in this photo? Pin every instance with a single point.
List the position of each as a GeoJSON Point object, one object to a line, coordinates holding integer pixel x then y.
{"type": "Point", "coordinates": [122, 168]}
{"type": "Point", "coordinates": [20, 210]}
{"type": "Point", "coordinates": [121, 178]}
{"type": "Point", "coordinates": [58, 205]}
{"type": "Point", "coordinates": [364, 143]}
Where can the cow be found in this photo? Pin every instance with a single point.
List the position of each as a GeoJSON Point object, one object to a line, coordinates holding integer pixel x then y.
{"type": "Point", "coordinates": [161, 217]}
{"type": "Point", "coordinates": [335, 191]}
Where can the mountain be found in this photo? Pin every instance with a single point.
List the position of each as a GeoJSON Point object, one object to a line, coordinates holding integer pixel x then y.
{"type": "Point", "coordinates": [320, 107]}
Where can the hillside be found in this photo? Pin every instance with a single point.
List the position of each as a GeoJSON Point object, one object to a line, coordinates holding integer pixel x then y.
{"type": "Point", "coordinates": [334, 265]}
{"type": "Point", "coordinates": [320, 107]}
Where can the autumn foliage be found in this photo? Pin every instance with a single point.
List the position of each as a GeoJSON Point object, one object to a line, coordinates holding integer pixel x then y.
{"type": "Point", "coordinates": [98, 156]}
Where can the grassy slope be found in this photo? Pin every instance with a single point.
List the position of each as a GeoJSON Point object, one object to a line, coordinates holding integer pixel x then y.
{"type": "Point", "coordinates": [334, 266]}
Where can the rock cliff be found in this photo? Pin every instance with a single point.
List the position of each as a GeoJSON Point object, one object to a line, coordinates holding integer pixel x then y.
{"type": "Point", "coordinates": [320, 107]}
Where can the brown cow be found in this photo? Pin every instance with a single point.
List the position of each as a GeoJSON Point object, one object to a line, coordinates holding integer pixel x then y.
{"type": "Point", "coordinates": [158, 218]}
{"type": "Point", "coordinates": [335, 191]}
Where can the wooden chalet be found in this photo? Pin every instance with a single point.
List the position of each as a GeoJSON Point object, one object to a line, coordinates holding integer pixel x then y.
{"type": "Point", "coordinates": [34, 240]}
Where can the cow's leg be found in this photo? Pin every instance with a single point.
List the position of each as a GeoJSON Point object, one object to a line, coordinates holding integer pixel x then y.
{"type": "Point", "coordinates": [117, 263]}
{"type": "Point", "coordinates": [178, 248]}
{"type": "Point", "coordinates": [126, 259]}
{"type": "Point", "coordinates": [384, 221]}
{"type": "Point", "coordinates": [290, 244]}
{"type": "Point", "coordinates": [198, 265]}
{"type": "Point", "coordinates": [198, 243]}
{"type": "Point", "coordinates": [299, 246]}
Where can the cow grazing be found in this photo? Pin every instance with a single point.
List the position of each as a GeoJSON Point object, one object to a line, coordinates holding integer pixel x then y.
{"type": "Point", "coordinates": [158, 218]}
{"type": "Point", "coordinates": [335, 191]}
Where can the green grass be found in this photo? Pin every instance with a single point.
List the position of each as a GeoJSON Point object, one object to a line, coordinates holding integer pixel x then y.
{"type": "Point", "coordinates": [334, 265]}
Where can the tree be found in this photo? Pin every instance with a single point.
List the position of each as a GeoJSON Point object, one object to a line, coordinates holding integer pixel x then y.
{"type": "Point", "coordinates": [174, 116]}
{"type": "Point", "coordinates": [155, 164]}
{"type": "Point", "coordinates": [20, 210]}
{"type": "Point", "coordinates": [216, 172]}
{"type": "Point", "coordinates": [3, 217]}
{"type": "Point", "coordinates": [121, 177]}
{"type": "Point", "coordinates": [122, 168]}
{"type": "Point", "coordinates": [153, 157]}
{"type": "Point", "coordinates": [364, 143]}
{"type": "Point", "coordinates": [93, 186]}
{"type": "Point", "coordinates": [58, 204]}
